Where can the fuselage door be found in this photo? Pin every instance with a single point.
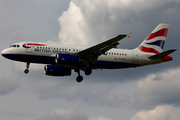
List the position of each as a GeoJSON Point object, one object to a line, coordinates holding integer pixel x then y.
{"type": "Point", "coordinates": [29, 48]}
{"type": "Point", "coordinates": [135, 56]}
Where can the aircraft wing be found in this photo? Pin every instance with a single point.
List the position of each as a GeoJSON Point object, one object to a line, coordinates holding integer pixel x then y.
{"type": "Point", "coordinates": [99, 49]}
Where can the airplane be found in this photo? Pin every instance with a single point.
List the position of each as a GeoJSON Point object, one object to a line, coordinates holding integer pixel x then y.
{"type": "Point", "coordinates": [62, 59]}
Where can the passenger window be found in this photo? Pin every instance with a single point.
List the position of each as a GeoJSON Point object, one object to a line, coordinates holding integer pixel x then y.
{"type": "Point", "coordinates": [14, 45]}
{"type": "Point", "coordinates": [114, 53]}
{"type": "Point", "coordinates": [117, 53]}
{"type": "Point", "coordinates": [17, 45]}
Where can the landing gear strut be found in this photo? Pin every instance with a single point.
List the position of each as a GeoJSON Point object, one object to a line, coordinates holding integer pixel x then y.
{"type": "Point", "coordinates": [79, 77]}
{"type": "Point", "coordinates": [88, 71]}
{"type": "Point", "coordinates": [26, 71]}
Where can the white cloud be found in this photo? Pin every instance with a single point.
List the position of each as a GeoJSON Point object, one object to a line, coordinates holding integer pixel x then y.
{"type": "Point", "coordinates": [163, 112]}
{"type": "Point", "coordinates": [159, 88]}
{"type": "Point", "coordinates": [70, 114]}
{"type": "Point", "coordinates": [63, 114]}
{"type": "Point", "coordinates": [73, 26]}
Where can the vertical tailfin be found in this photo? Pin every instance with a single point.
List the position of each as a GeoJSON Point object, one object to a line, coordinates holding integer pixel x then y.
{"type": "Point", "coordinates": [154, 43]}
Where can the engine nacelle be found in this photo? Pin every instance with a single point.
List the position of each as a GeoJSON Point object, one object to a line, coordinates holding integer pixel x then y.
{"type": "Point", "coordinates": [68, 59]}
{"type": "Point", "coordinates": [53, 70]}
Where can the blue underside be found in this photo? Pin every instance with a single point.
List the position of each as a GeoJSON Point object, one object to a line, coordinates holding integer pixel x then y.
{"type": "Point", "coordinates": [51, 60]}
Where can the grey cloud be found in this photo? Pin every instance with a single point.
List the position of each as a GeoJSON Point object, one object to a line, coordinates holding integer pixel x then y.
{"type": "Point", "coordinates": [32, 18]}
{"type": "Point", "coordinates": [8, 82]}
{"type": "Point", "coordinates": [103, 89]}
{"type": "Point", "coordinates": [89, 93]}
{"type": "Point", "coordinates": [9, 79]}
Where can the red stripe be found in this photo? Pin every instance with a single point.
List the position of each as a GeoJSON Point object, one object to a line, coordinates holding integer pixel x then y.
{"type": "Point", "coordinates": [162, 33]}
{"type": "Point", "coordinates": [34, 44]}
{"type": "Point", "coordinates": [149, 50]}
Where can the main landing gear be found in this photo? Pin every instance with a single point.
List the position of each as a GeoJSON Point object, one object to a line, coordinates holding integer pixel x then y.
{"type": "Point", "coordinates": [26, 71]}
{"type": "Point", "coordinates": [79, 77]}
{"type": "Point", "coordinates": [88, 71]}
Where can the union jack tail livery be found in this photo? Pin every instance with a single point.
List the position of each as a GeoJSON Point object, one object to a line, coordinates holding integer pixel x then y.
{"type": "Point", "coordinates": [154, 43]}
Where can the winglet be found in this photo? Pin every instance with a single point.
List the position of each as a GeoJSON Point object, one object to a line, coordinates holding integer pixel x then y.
{"type": "Point", "coordinates": [129, 34]}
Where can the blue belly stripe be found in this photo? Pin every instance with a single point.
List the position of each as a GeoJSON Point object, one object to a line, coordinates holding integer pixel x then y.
{"type": "Point", "coordinates": [51, 60]}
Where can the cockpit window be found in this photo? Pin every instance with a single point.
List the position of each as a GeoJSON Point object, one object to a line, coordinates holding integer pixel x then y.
{"type": "Point", "coordinates": [14, 46]}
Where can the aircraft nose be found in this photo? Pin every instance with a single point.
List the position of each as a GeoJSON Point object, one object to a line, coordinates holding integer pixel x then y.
{"type": "Point", "coordinates": [5, 51]}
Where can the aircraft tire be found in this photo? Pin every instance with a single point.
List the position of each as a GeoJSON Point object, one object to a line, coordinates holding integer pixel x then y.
{"type": "Point", "coordinates": [79, 79]}
{"type": "Point", "coordinates": [26, 71]}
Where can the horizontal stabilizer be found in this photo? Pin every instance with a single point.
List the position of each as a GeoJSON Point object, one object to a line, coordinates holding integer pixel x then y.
{"type": "Point", "coordinates": [163, 54]}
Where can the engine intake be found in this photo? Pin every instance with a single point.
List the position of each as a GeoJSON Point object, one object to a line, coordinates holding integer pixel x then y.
{"type": "Point", "coordinates": [53, 70]}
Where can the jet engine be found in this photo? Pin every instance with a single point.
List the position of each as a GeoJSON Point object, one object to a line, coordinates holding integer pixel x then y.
{"type": "Point", "coordinates": [67, 59]}
{"type": "Point", "coordinates": [53, 70]}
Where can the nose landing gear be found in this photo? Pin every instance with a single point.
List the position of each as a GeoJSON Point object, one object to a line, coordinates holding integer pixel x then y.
{"type": "Point", "coordinates": [26, 71]}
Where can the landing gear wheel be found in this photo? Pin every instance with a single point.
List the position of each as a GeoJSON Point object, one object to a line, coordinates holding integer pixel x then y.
{"type": "Point", "coordinates": [26, 71]}
{"type": "Point", "coordinates": [79, 79]}
{"type": "Point", "coordinates": [88, 71]}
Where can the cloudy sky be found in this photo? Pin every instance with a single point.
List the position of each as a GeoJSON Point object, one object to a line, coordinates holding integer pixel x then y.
{"type": "Point", "coordinates": [144, 93]}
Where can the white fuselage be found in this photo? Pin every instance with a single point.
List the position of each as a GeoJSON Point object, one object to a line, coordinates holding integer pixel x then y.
{"type": "Point", "coordinates": [35, 52]}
